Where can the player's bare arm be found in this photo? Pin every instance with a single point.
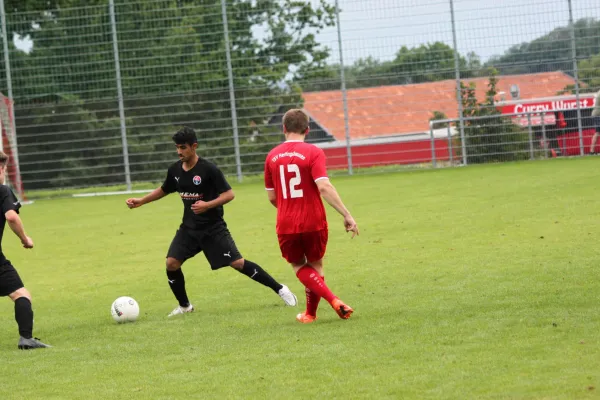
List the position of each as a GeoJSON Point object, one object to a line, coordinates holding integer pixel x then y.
{"type": "Point", "coordinates": [200, 206]}
{"type": "Point", "coordinates": [16, 225]}
{"type": "Point", "coordinates": [272, 197]}
{"type": "Point", "coordinates": [156, 194]}
{"type": "Point", "coordinates": [331, 196]}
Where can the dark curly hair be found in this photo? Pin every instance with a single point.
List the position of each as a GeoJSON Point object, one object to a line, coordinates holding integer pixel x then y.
{"type": "Point", "coordinates": [185, 135]}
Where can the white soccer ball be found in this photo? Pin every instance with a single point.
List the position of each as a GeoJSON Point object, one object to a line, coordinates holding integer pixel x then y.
{"type": "Point", "coordinates": [125, 309]}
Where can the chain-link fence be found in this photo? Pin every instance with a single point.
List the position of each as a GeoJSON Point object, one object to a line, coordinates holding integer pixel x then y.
{"type": "Point", "coordinates": [99, 86]}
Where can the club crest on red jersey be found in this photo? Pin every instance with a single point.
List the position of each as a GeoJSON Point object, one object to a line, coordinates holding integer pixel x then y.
{"type": "Point", "coordinates": [197, 180]}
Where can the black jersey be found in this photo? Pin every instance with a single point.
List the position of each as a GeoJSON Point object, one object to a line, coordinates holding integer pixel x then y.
{"type": "Point", "coordinates": [8, 201]}
{"type": "Point", "coordinates": [203, 182]}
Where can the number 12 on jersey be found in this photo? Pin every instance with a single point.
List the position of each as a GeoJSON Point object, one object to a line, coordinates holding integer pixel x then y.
{"type": "Point", "coordinates": [293, 183]}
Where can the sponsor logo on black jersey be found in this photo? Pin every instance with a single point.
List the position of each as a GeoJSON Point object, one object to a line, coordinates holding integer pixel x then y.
{"type": "Point", "coordinates": [191, 196]}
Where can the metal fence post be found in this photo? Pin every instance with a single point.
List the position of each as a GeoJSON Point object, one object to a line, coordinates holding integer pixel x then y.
{"type": "Point", "coordinates": [458, 92]}
{"type": "Point", "coordinates": [530, 130]}
{"type": "Point", "coordinates": [576, 76]}
{"type": "Point", "coordinates": [113, 24]}
{"type": "Point", "coordinates": [15, 151]}
{"type": "Point", "coordinates": [433, 160]}
{"type": "Point", "coordinates": [450, 149]}
{"type": "Point", "coordinates": [236, 140]}
{"type": "Point", "coordinates": [343, 87]}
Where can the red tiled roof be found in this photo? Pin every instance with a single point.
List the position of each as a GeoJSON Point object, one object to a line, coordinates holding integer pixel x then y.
{"type": "Point", "coordinates": [389, 110]}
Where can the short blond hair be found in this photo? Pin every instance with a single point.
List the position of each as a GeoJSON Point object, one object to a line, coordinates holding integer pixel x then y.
{"type": "Point", "coordinates": [296, 121]}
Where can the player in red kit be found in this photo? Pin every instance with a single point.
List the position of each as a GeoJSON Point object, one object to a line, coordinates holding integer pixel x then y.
{"type": "Point", "coordinates": [295, 180]}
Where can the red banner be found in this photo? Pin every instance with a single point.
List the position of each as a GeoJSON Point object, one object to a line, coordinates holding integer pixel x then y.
{"type": "Point", "coordinates": [538, 106]}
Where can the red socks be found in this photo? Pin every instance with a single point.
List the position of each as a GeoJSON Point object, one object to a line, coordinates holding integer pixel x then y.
{"type": "Point", "coordinates": [316, 285]}
{"type": "Point", "coordinates": [312, 302]}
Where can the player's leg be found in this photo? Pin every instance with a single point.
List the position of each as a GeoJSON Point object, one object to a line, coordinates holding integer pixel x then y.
{"type": "Point", "coordinates": [595, 137]}
{"type": "Point", "coordinates": [312, 277]}
{"type": "Point", "coordinates": [292, 250]}
{"type": "Point", "coordinates": [258, 274]}
{"type": "Point", "coordinates": [315, 245]}
{"type": "Point", "coordinates": [343, 310]}
{"type": "Point", "coordinates": [12, 286]}
{"type": "Point", "coordinates": [221, 251]}
{"type": "Point", "coordinates": [593, 145]}
{"type": "Point", "coordinates": [305, 253]}
{"type": "Point", "coordinates": [24, 318]}
{"type": "Point", "coordinates": [182, 247]}
{"type": "Point", "coordinates": [312, 298]}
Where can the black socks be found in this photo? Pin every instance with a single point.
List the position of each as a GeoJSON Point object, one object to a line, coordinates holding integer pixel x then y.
{"type": "Point", "coordinates": [177, 284]}
{"type": "Point", "coordinates": [24, 317]}
{"type": "Point", "coordinates": [256, 273]}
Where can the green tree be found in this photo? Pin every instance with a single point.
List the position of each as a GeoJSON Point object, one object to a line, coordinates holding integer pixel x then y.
{"type": "Point", "coordinates": [589, 72]}
{"type": "Point", "coordinates": [589, 75]}
{"type": "Point", "coordinates": [437, 115]}
{"type": "Point", "coordinates": [490, 137]}
{"type": "Point", "coordinates": [174, 71]}
{"type": "Point", "coordinates": [551, 52]}
{"type": "Point", "coordinates": [425, 63]}
{"type": "Point", "coordinates": [69, 140]}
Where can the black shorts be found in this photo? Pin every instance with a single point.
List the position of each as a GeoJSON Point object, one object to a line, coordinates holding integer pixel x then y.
{"type": "Point", "coordinates": [10, 280]}
{"type": "Point", "coordinates": [215, 241]}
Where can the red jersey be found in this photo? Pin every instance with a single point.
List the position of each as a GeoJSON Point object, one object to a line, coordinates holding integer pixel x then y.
{"type": "Point", "coordinates": [292, 170]}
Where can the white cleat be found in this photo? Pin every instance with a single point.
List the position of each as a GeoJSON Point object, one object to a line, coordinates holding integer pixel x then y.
{"type": "Point", "coordinates": [288, 297]}
{"type": "Point", "coordinates": [182, 310]}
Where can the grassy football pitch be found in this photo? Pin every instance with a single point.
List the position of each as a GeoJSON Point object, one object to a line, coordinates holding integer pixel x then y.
{"type": "Point", "coordinates": [467, 283]}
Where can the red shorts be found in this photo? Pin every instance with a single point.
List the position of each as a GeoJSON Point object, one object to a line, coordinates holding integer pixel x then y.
{"type": "Point", "coordinates": [295, 246]}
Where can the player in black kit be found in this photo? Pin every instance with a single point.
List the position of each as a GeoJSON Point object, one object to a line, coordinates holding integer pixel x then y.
{"type": "Point", "coordinates": [203, 190]}
{"type": "Point", "coordinates": [10, 281]}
